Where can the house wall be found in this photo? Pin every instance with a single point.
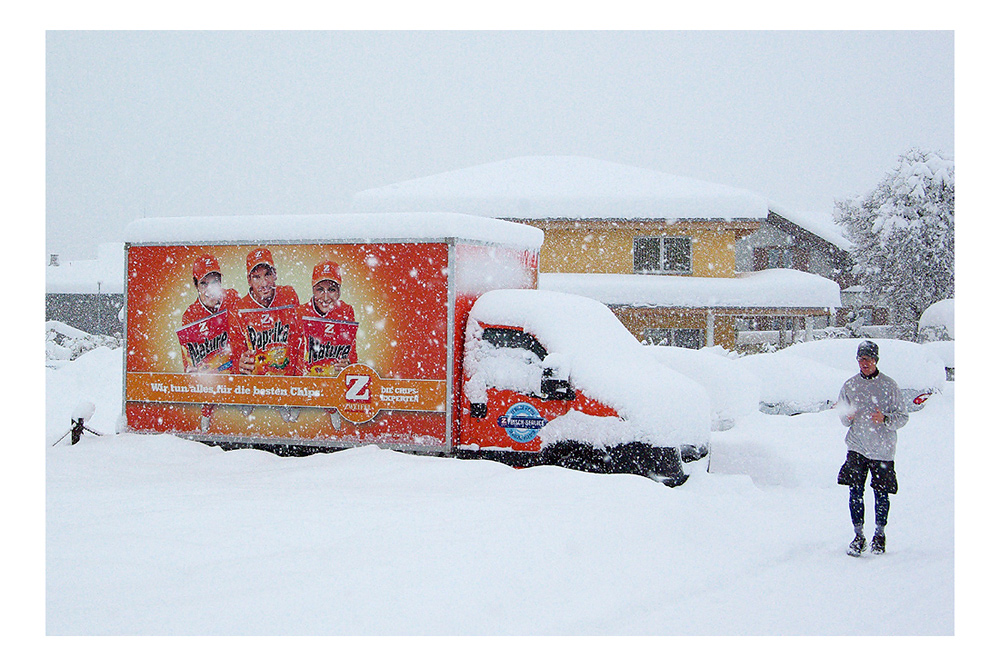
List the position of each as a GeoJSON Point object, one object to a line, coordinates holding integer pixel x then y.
{"type": "Point", "coordinates": [719, 250]}
{"type": "Point", "coordinates": [638, 320]}
{"type": "Point", "coordinates": [821, 261]}
{"type": "Point", "coordinates": [610, 251]}
{"type": "Point", "coordinates": [767, 235]}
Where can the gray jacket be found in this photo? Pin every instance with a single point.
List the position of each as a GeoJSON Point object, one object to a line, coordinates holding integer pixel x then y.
{"type": "Point", "coordinates": [859, 398]}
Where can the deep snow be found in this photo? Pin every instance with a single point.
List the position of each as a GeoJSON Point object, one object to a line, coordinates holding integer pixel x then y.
{"type": "Point", "coordinates": [153, 535]}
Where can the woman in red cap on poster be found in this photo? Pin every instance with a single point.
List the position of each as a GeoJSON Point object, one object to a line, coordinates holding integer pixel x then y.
{"type": "Point", "coordinates": [329, 341]}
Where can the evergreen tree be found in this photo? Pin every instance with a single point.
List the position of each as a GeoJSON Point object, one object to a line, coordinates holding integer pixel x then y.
{"type": "Point", "coordinates": [904, 235]}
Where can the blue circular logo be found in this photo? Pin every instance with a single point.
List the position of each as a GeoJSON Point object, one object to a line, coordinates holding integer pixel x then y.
{"type": "Point", "coordinates": [522, 422]}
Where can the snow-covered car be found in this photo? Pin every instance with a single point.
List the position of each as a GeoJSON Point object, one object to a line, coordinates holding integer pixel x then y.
{"type": "Point", "coordinates": [552, 378]}
{"type": "Point", "coordinates": [793, 385]}
{"type": "Point", "coordinates": [733, 391]}
{"type": "Point", "coordinates": [937, 322]}
{"type": "Point", "coordinates": [807, 377]}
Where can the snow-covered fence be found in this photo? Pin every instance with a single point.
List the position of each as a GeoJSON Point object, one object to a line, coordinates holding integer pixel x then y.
{"type": "Point", "coordinates": [890, 331]}
{"type": "Point", "coordinates": [64, 343]}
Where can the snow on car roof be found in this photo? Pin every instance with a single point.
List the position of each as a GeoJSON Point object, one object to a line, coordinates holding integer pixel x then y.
{"type": "Point", "coordinates": [557, 187]}
{"type": "Point", "coordinates": [770, 288]}
{"type": "Point", "coordinates": [348, 227]}
{"type": "Point", "coordinates": [911, 365]}
{"type": "Point", "coordinates": [939, 314]}
{"type": "Point", "coordinates": [606, 362]}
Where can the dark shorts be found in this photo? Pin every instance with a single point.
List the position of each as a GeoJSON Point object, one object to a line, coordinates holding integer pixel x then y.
{"type": "Point", "coordinates": [855, 470]}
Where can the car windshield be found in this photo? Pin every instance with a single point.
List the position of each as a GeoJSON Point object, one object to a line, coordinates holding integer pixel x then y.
{"type": "Point", "coordinates": [500, 337]}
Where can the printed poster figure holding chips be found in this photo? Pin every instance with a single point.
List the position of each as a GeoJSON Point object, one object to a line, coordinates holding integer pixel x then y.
{"type": "Point", "coordinates": [206, 324]}
{"type": "Point", "coordinates": [330, 329]}
{"type": "Point", "coordinates": [269, 325]}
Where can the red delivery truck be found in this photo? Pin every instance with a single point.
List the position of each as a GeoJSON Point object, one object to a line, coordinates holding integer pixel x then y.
{"type": "Point", "coordinates": [419, 332]}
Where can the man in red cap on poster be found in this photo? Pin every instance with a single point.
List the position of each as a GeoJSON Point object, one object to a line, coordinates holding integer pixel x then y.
{"type": "Point", "coordinates": [269, 327]}
{"type": "Point", "coordinates": [329, 341]}
{"type": "Point", "coordinates": [212, 296]}
{"type": "Point", "coordinates": [268, 321]}
{"type": "Point", "coordinates": [205, 325]}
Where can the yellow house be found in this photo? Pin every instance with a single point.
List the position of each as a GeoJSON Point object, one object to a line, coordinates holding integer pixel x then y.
{"type": "Point", "coordinates": [660, 250]}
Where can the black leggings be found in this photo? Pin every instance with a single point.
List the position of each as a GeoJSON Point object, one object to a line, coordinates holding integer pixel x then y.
{"type": "Point", "coordinates": [857, 505]}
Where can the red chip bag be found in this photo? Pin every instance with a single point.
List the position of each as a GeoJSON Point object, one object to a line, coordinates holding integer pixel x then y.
{"type": "Point", "coordinates": [269, 335]}
{"type": "Point", "coordinates": [326, 342]}
{"type": "Point", "coordinates": [205, 345]}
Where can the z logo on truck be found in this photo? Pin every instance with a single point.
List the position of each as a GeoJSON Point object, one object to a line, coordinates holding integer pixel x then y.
{"type": "Point", "coordinates": [522, 422]}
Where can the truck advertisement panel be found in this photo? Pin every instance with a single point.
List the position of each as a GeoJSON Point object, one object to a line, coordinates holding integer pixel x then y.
{"type": "Point", "coordinates": [334, 343]}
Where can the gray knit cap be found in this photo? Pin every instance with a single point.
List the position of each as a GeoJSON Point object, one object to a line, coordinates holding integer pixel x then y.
{"type": "Point", "coordinates": [868, 349]}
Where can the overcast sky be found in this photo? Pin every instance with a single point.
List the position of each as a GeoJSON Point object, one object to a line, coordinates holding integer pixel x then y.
{"type": "Point", "coordinates": [221, 123]}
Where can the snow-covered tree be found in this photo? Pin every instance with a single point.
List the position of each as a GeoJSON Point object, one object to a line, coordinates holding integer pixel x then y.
{"type": "Point", "coordinates": [904, 234]}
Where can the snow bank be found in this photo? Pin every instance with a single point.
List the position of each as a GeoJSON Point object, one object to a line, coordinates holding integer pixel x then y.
{"type": "Point", "coordinates": [155, 535]}
{"type": "Point", "coordinates": [605, 362]}
{"type": "Point", "coordinates": [94, 377]}
{"type": "Point", "coordinates": [561, 187]}
{"type": "Point", "coordinates": [733, 391]}
{"type": "Point", "coordinates": [765, 289]}
{"type": "Point", "coordinates": [345, 228]}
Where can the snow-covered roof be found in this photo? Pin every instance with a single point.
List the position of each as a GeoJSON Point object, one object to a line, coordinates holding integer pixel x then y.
{"type": "Point", "coordinates": [773, 288]}
{"type": "Point", "coordinates": [89, 276]}
{"type": "Point", "coordinates": [565, 187]}
{"type": "Point", "coordinates": [348, 227]}
{"type": "Point", "coordinates": [817, 222]}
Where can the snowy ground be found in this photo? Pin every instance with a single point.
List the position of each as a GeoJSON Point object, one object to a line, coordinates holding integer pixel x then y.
{"type": "Point", "coordinates": [155, 535]}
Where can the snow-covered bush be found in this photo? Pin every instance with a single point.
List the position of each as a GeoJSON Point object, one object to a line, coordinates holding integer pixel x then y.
{"type": "Point", "coordinates": [64, 343]}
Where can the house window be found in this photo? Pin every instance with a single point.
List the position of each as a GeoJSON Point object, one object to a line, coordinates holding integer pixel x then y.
{"type": "Point", "coordinates": [780, 257]}
{"type": "Point", "coordinates": [689, 338]}
{"type": "Point", "coordinates": [662, 254]}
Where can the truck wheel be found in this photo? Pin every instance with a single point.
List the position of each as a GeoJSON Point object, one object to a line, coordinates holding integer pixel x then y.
{"type": "Point", "coordinates": [691, 453]}
{"type": "Point", "coordinates": [576, 456]}
{"type": "Point", "coordinates": [660, 463]}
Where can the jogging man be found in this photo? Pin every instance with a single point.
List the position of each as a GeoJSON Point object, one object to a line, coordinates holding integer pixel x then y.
{"type": "Point", "coordinates": [871, 405]}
